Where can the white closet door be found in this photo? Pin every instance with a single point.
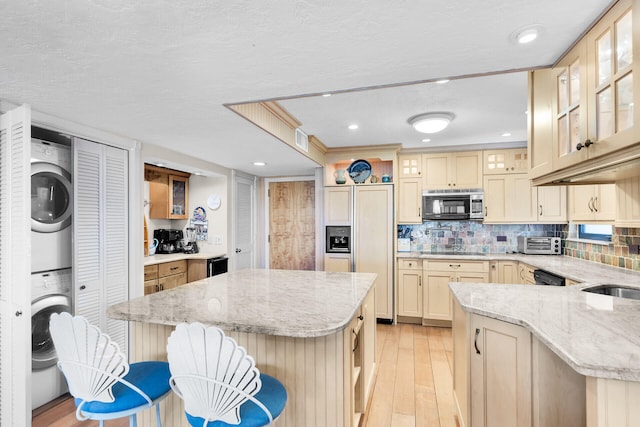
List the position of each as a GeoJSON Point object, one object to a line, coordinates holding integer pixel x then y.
{"type": "Point", "coordinates": [100, 234]}
{"type": "Point", "coordinates": [244, 217]}
{"type": "Point", "coordinates": [15, 267]}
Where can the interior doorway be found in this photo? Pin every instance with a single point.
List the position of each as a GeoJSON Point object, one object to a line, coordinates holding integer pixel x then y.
{"type": "Point", "coordinates": [292, 225]}
{"type": "Point", "coordinates": [244, 220]}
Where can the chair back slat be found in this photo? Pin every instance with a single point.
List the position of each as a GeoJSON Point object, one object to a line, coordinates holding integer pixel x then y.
{"type": "Point", "coordinates": [196, 351]}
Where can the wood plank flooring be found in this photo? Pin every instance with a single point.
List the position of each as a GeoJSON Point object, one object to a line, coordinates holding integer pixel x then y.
{"type": "Point", "coordinates": [413, 387]}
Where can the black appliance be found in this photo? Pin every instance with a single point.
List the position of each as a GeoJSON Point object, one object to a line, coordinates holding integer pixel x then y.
{"type": "Point", "coordinates": [543, 277]}
{"type": "Point", "coordinates": [338, 239]}
{"type": "Point", "coordinates": [217, 265]}
{"type": "Point", "coordinates": [453, 205]}
{"type": "Point", "coordinates": [170, 241]}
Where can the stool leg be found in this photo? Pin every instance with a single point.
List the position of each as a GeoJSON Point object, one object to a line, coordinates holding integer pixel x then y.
{"type": "Point", "coordinates": [133, 421]}
{"type": "Point", "coordinates": [158, 420]}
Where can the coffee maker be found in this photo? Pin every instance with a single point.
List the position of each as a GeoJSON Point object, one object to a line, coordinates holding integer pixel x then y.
{"type": "Point", "coordinates": [169, 241]}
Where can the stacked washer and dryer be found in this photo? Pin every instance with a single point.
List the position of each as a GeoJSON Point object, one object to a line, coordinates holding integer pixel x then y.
{"type": "Point", "coordinates": [51, 208]}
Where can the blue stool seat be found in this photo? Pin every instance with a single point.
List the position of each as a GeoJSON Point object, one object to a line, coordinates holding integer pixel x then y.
{"type": "Point", "coordinates": [152, 378]}
{"type": "Point", "coordinates": [272, 395]}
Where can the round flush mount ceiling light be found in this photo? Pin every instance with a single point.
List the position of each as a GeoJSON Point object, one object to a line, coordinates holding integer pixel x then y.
{"type": "Point", "coordinates": [431, 122]}
{"type": "Point", "coordinates": [526, 34]}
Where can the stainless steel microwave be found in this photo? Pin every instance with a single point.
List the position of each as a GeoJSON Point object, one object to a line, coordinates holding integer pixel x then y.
{"type": "Point", "coordinates": [453, 205]}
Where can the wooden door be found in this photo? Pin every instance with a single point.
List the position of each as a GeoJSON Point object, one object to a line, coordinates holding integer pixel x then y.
{"type": "Point", "coordinates": [552, 204]}
{"type": "Point", "coordinates": [292, 225]}
{"type": "Point", "coordinates": [495, 198]}
{"type": "Point", "coordinates": [435, 171]}
{"type": "Point", "coordinates": [466, 168]}
{"type": "Point", "coordinates": [580, 202]}
{"type": "Point", "coordinates": [410, 201]}
{"type": "Point", "coordinates": [337, 205]}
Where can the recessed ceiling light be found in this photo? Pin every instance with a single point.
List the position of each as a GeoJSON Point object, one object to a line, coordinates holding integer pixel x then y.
{"type": "Point", "coordinates": [442, 81]}
{"type": "Point", "coordinates": [353, 126]}
{"type": "Point", "coordinates": [506, 134]}
{"type": "Point", "coordinates": [431, 122]}
{"type": "Point", "coordinates": [259, 164]}
{"type": "Point", "coordinates": [426, 140]}
{"type": "Point", "coordinates": [526, 34]}
{"type": "Point", "coordinates": [326, 95]}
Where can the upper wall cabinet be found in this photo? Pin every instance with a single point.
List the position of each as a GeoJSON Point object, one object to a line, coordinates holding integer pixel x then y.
{"type": "Point", "coordinates": [168, 192]}
{"type": "Point", "coordinates": [410, 165]}
{"type": "Point", "coordinates": [505, 161]}
{"type": "Point", "coordinates": [449, 171]}
{"type": "Point", "coordinates": [595, 87]}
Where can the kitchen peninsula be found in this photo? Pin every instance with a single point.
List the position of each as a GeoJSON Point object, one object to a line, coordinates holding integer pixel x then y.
{"type": "Point", "coordinates": [313, 330]}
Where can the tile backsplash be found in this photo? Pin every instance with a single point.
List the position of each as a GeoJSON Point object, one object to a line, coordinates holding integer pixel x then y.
{"type": "Point", "coordinates": [471, 236]}
{"type": "Point", "coordinates": [617, 253]}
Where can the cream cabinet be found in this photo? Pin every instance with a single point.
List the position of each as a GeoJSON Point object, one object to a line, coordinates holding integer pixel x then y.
{"type": "Point", "coordinates": [410, 165]}
{"type": "Point", "coordinates": [337, 263]}
{"type": "Point", "coordinates": [337, 205]}
{"type": "Point", "coordinates": [628, 202]}
{"type": "Point", "coordinates": [592, 203]}
{"type": "Point", "coordinates": [436, 305]}
{"type": "Point", "coordinates": [503, 271]}
{"type": "Point", "coordinates": [410, 288]}
{"type": "Point", "coordinates": [525, 274]}
{"type": "Point", "coordinates": [514, 160]}
{"type": "Point", "coordinates": [551, 204]}
{"type": "Point", "coordinates": [452, 170]}
{"type": "Point", "coordinates": [595, 87]}
{"type": "Point", "coordinates": [540, 122]}
{"type": "Point", "coordinates": [509, 199]}
{"type": "Point", "coordinates": [500, 374]}
{"type": "Point", "coordinates": [409, 201]}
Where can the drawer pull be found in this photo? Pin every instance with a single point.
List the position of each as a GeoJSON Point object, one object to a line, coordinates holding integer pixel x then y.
{"type": "Point", "coordinates": [454, 265]}
{"type": "Point", "coordinates": [175, 268]}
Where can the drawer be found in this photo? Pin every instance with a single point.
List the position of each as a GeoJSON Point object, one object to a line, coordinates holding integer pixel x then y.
{"type": "Point", "coordinates": [151, 286]}
{"type": "Point", "coordinates": [150, 272]}
{"type": "Point", "coordinates": [410, 264]}
{"type": "Point", "coordinates": [174, 267]}
{"type": "Point", "coordinates": [456, 265]}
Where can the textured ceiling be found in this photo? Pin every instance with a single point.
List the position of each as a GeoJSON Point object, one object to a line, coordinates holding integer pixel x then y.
{"type": "Point", "coordinates": [160, 71]}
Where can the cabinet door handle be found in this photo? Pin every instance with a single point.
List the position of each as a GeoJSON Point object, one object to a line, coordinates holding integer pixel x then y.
{"type": "Point", "coordinates": [485, 211]}
{"type": "Point", "coordinates": [157, 288]}
{"type": "Point", "coordinates": [420, 281]}
{"type": "Point", "coordinates": [579, 146]}
{"type": "Point", "coordinates": [356, 341]}
{"type": "Point", "coordinates": [595, 204]}
{"type": "Point", "coordinates": [590, 204]}
{"type": "Point", "coordinates": [587, 143]}
{"type": "Point", "coordinates": [475, 341]}
{"type": "Point", "coordinates": [419, 213]}
{"type": "Point", "coordinates": [540, 213]}
{"type": "Point", "coordinates": [174, 268]}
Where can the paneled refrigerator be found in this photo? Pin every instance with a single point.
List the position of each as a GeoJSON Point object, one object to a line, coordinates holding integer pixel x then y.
{"type": "Point", "coordinates": [359, 236]}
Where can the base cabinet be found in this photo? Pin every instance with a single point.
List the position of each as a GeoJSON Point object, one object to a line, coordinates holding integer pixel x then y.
{"type": "Point", "coordinates": [500, 371]}
{"type": "Point", "coordinates": [503, 272]}
{"type": "Point", "coordinates": [410, 288]}
{"type": "Point", "coordinates": [167, 275]}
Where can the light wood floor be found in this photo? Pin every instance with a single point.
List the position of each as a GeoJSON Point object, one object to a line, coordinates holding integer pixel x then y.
{"type": "Point", "coordinates": [413, 387]}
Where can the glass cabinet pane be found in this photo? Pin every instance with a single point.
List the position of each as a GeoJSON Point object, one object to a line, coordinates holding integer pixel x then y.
{"type": "Point", "coordinates": [624, 45]}
{"type": "Point", "coordinates": [604, 58]}
{"type": "Point", "coordinates": [604, 124]}
{"type": "Point", "coordinates": [179, 197]}
{"type": "Point", "coordinates": [624, 107]}
{"type": "Point", "coordinates": [563, 137]}
{"type": "Point", "coordinates": [563, 91]}
{"type": "Point", "coordinates": [574, 128]}
{"type": "Point", "coordinates": [574, 83]}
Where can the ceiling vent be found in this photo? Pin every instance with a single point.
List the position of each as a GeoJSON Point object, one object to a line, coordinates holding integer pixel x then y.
{"type": "Point", "coordinates": [302, 140]}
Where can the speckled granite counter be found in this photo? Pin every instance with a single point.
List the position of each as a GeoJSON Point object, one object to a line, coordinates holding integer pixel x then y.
{"type": "Point", "coordinates": [569, 267]}
{"type": "Point", "coordinates": [160, 258]}
{"type": "Point", "coordinates": [597, 335]}
{"type": "Point", "coordinates": [271, 302]}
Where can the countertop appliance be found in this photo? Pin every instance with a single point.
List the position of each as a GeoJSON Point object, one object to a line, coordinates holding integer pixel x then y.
{"type": "Point", "coordinates": [543, 277]}
{"type": "Point", "coordinates": [170, 241]}
{"type": "Point", "coordinates": [453, 205]}
{"type": "Point", "coordinates": [539, 245]}
{"type": "Point", "coordinates": [338, 239]}
{"type": "Point", "coordinates": [217, 265]}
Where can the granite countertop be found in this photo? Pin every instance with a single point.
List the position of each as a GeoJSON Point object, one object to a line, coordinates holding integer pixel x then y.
{"type": "Point", "coordinates": [160, 258]}
{"type": "Point", "coordinates": [568, 267]}
{"type": "Point", "coordinates": [597, 335]}
{"type": "Point", "coordinates": [272, 302]}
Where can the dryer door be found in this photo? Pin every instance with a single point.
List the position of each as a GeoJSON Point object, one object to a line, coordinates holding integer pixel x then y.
{"type": "Point", "coordinates": [43, 353]}
{"type": "Point", "coordinates": [51, 198]}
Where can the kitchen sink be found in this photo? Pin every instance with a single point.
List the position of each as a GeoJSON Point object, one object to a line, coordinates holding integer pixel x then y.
{"type": "Point", "coordinates": [615, 291]}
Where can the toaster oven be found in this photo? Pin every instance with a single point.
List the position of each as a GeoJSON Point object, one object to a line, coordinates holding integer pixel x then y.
{"type": "Point", "coordinates": [540, 245]}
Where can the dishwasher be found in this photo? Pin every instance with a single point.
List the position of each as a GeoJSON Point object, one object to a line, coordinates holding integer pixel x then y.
{"type": "Point", "coordinates": [543, 277]}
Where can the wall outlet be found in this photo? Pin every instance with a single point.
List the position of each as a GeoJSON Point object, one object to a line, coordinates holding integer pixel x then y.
{"type": "Point", "coordinates": [217, 240]}
{"type": "Point", "coordinates": [501, 238]}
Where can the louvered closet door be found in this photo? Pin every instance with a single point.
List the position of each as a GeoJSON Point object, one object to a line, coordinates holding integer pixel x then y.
{"type": "Point", "coordinates": [15, 267]}
{"type": "Point", "coordinates": [100, 234]}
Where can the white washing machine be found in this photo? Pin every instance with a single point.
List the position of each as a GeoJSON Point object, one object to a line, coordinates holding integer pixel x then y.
{"type": "Point", "coordinates": [50, 293]}
{"type": "Point", "coordinates": [51, 206]}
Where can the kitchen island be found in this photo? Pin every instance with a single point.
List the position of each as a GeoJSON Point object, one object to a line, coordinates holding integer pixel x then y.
{"type": "Point", "coordinates": [545, 356]}
{"type": "Point", "coordinates": [313, 330]}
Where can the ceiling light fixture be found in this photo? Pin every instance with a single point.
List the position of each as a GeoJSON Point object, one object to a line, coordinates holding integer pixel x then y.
{"type": "Point", "coordinates": [431, 122]}
{"type": "Point", "coordinates": [442, 81]}
{"type": "Point", "coordinates": [353, 126]}
{"type": "Point", "coordinates": [527, 34]}
{"type": "Point", "coordinates": [259, 164]}
{"type": "Point", "coordinates": [426, 140]}
{"type": "Point", "coordinates": [506, 134]}
{"type": "Point", "coordinates": [326, 95]}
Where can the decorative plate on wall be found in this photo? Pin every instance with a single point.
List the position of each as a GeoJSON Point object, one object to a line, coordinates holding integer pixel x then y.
{"type": "Point", "coordinates": [359, 171]}
{"type": "Point", "coordinates": [214, 201]}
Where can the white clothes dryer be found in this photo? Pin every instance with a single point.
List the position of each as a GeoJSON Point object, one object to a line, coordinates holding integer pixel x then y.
{"type": "Point", "coordinates": [50, 293]}
{"type": "Point", "coordinates": [51, 206]}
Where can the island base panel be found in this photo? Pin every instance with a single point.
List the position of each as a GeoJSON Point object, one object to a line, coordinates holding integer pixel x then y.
{"type": "Point", "coordinates": [315, 372]}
